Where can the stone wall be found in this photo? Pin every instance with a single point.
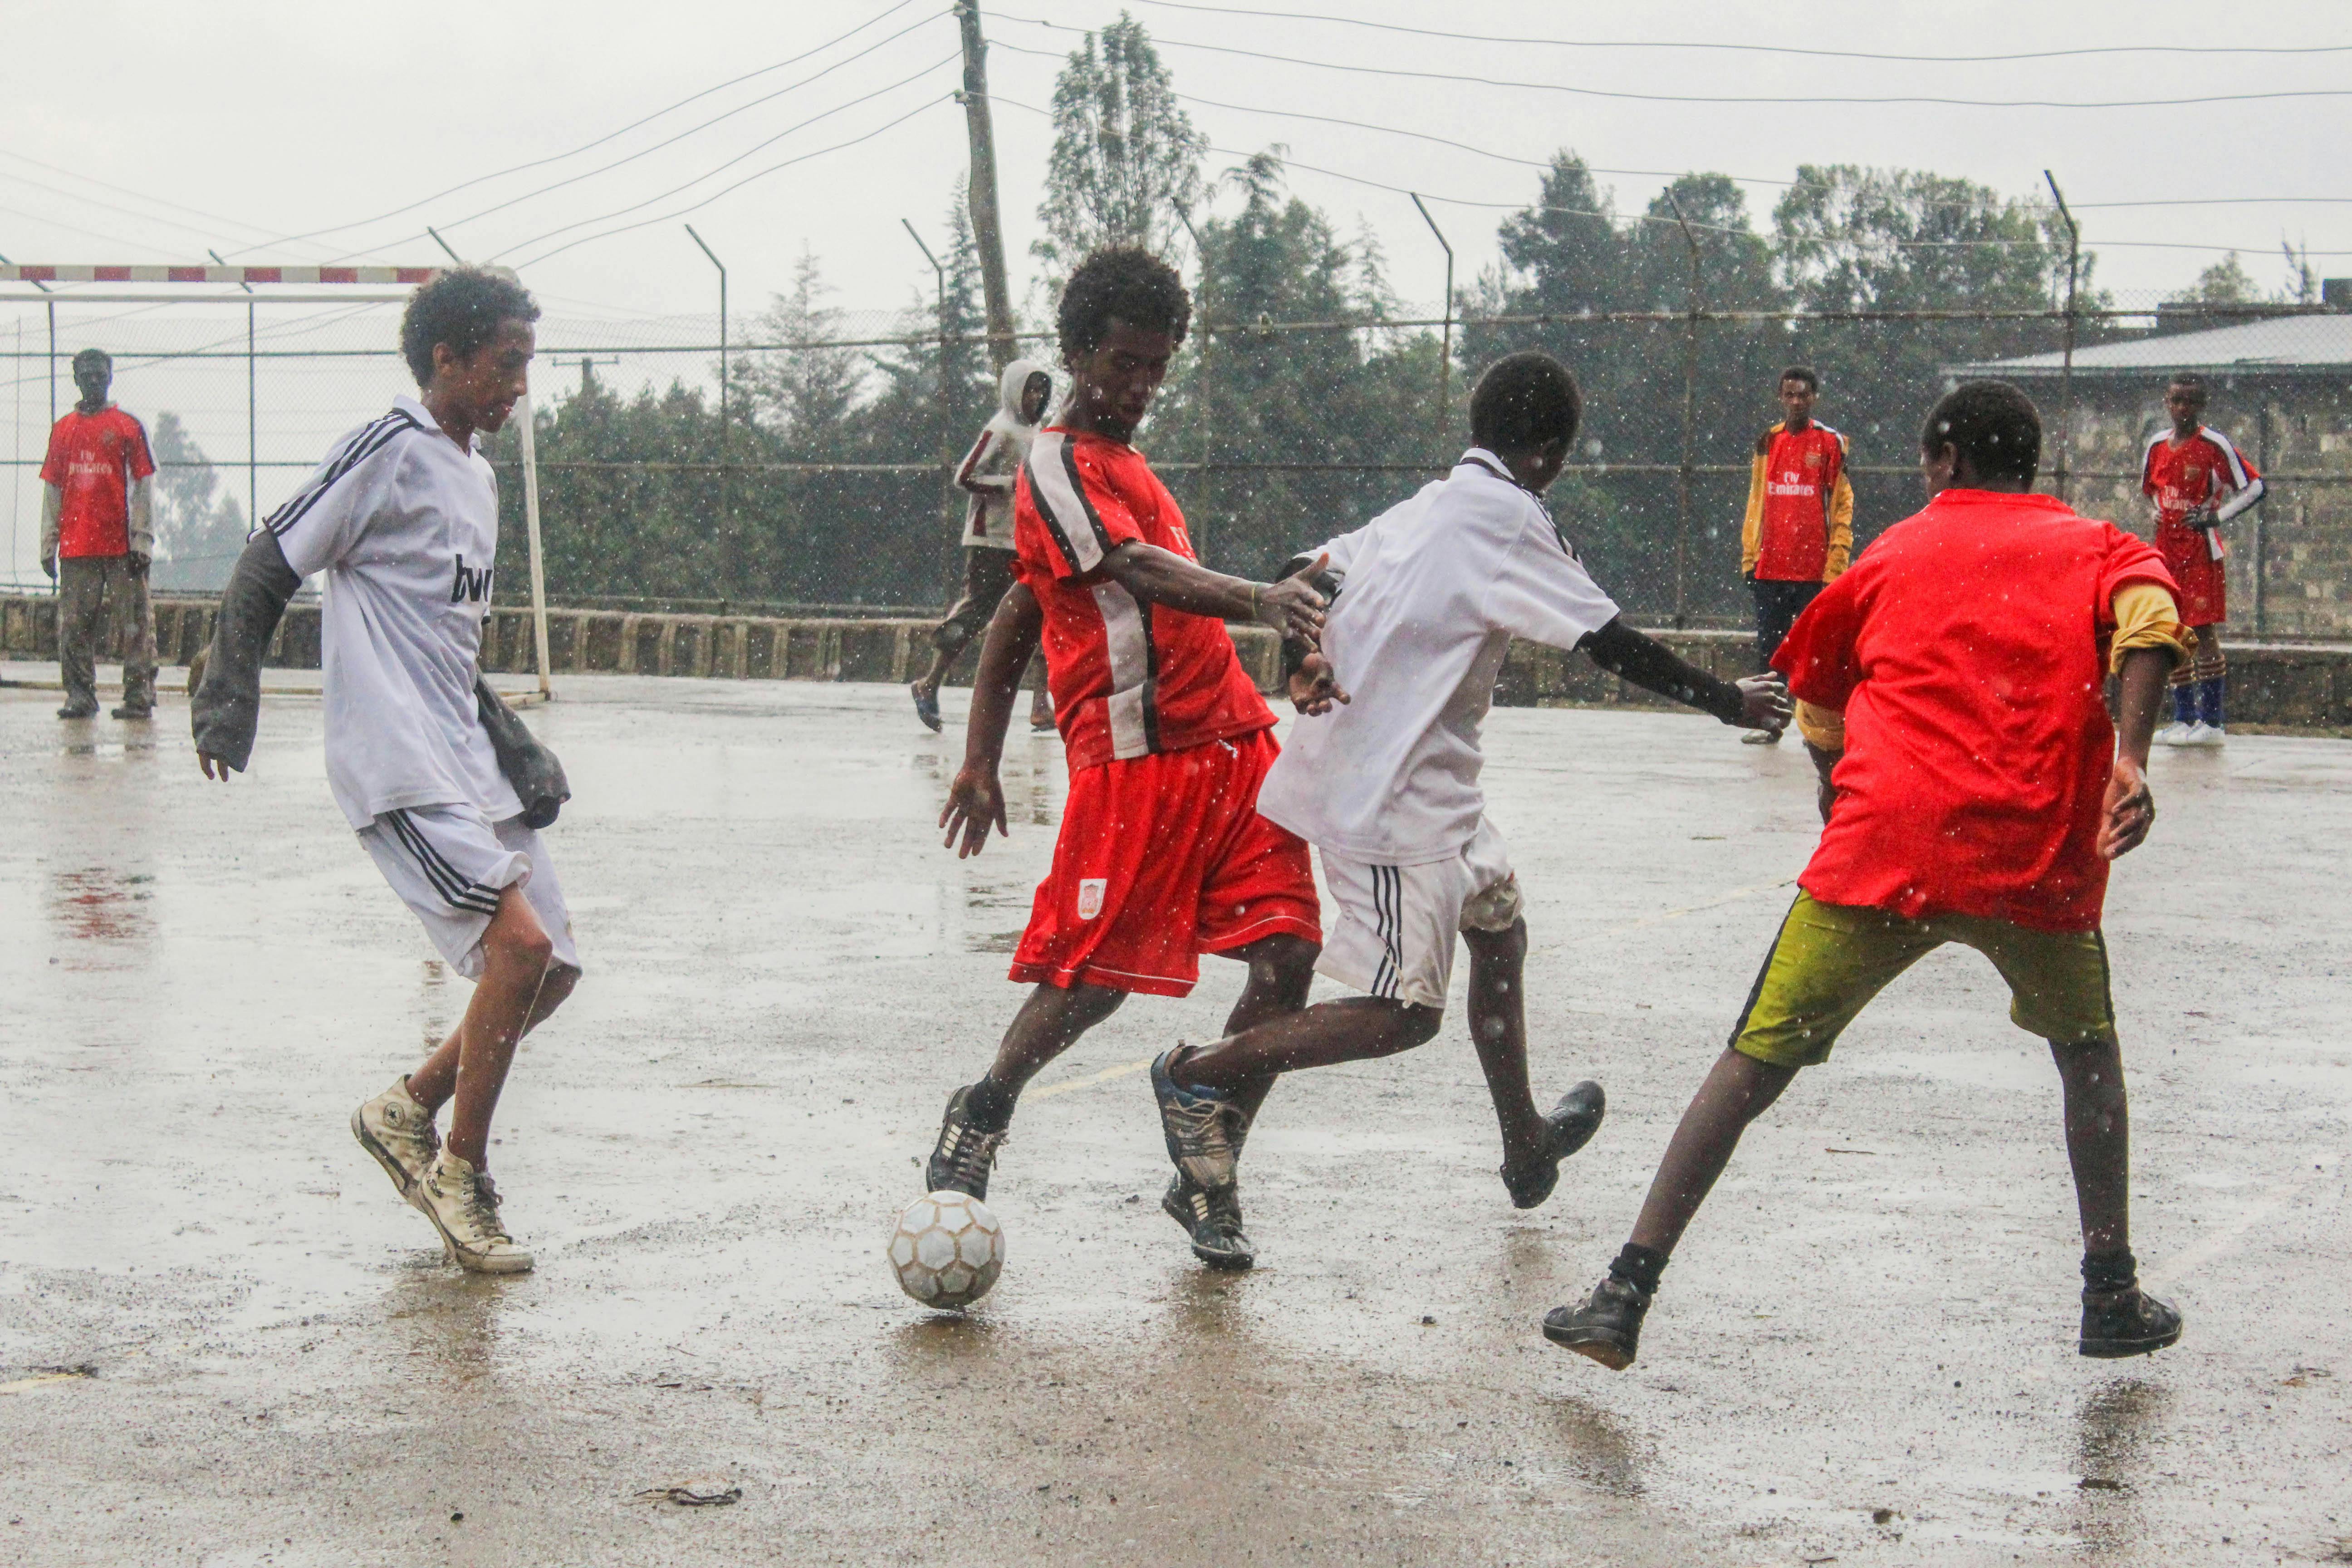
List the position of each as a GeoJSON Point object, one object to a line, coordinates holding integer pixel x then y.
{"type": "Point", "coordinates": [2271, 685]}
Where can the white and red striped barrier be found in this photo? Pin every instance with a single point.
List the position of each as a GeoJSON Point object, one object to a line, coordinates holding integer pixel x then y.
{"type": "Point", "coordinates": [151, 274]}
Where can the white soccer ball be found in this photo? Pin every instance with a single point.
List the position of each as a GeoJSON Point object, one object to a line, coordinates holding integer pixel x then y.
{"type": "Point", "coordinates": [948, 1249]}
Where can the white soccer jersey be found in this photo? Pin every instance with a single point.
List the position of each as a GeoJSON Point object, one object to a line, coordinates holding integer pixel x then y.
{"type": "Point", "coordinates": [1431, 592]}
{"type": "Point", "coordinates": [404, 525]}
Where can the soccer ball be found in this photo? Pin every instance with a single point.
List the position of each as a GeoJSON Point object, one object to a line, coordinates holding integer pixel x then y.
{"type": "Point", "coordinates": [948, 1249]}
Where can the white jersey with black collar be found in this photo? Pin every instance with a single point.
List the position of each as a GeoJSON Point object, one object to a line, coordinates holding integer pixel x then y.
{"type": "Point", "coordinates": [403, 524]}
{"type": "Point", "coordinates": [1431, 593]}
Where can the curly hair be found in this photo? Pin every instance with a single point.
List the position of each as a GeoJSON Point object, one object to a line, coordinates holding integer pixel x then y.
{"type": "Point", "coordinates": [1524, 401]}
{"type": "Point", "coordinates": [1126, 282]}
{"type": "Point", "coordinates": [1992, 425]}
{"type": "Point", "coordinates": [462, 308]}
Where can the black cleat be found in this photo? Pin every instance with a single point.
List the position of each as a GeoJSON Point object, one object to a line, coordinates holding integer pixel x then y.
{"type": "Point", "coordinates": [1608, 1327]}
{"type": "Point", "coordinates": [76, 711]}
{"type": "Point", "coordinates": [1205, 1132]}
{"type": "Point", "coordinates": [2126, 1322]}
{"type": "Point", "coordinates": [965, 1152]}
{"type": "Point", "coordinates": [927, 709]}
{"type": "Point", "coordinates": [1570, 1127]}
{"type": "Point", "coordinates": [1213, 1221]}
{"type": "Point", "coordinates": [133, 711]}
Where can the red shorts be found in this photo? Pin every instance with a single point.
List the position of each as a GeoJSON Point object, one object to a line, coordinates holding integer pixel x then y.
{"type": "Point", "coordinates": [1162, 858]}
{"type": "Point", "coordinates": [2204, 593]}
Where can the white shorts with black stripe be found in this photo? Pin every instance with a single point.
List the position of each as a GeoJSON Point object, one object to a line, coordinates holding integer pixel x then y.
{"type": "Point", "coordinates": [1393, 935]}
{"type": "Point", "coordinates": [449, 863]}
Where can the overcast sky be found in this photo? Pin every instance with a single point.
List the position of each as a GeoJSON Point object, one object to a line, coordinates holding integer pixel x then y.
{"type": "Point", "coordinates": [277, 120]}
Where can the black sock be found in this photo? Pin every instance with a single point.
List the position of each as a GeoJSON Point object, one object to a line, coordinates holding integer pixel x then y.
{"type": "Point", "coordinates": [990, 1104]}
{"type": "Point", "coordinates": [2106, 1272]}
{"type": "Point", "coordinates": [1640, 1267]}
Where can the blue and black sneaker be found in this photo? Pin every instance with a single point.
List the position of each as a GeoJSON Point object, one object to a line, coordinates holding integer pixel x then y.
{"type": "Point", "coordinates": [1205, 1132]}
{"type": "Point", "coordinates": [927, 709]}
{"type": "Point", "coordinates": [1570, 1127]}
{"type": "Point", "coordinates": [966, 1151]}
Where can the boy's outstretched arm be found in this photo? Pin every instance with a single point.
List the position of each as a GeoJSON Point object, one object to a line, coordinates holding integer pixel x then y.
{"type": "Point", "coordinates": [226, 709]}
{"type": "Point", "coordinates": [976, 798]}
{"type": "Point", "coordinates": [1758, 702]}
{"type": "Point", "coordinates": [1157, 576]}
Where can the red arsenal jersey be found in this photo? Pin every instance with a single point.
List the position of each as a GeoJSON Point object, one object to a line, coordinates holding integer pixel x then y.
{"type": "Point", "coordinates": [2205, 468]}
{"type": "Point", "coordinates": [1129, 679]}
{"type": "Point", "coordinates": [1966, 648]}
{"type": "Point", "coordinates": [1801, 475]}
{"type": "Point", "coordinates": [92, 460]}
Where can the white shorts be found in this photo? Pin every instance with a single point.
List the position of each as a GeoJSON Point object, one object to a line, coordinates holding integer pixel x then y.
{"type": "Point", "coordinates": [1393, 936]}
{"type": "Point", "coordinates": [449, 863]}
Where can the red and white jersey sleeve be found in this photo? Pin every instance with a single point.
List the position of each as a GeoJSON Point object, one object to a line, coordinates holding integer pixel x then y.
{"type": "Point", "coordinates": [1130, 677]}
{"type": "Point", "coordinates": [2207, 469]}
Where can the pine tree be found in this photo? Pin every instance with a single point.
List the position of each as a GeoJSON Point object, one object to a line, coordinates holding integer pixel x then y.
{"type": "Point", "coordinates": [1125, 162]}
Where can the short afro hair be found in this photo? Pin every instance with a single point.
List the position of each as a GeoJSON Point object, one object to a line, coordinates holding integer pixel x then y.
{"type": "Point", "coordinates": [462, 308]}
{"type": "Point", "coordinates": [1525, 401]}
{"type": "Point", "coordinates": [1127, 283]}
{"type": "Point", "coordinates": [1992, 425]}
{"type": "Point", "coordinates": [1804, 373]}
{"type": "Point", "coordinates": [2188, 379]}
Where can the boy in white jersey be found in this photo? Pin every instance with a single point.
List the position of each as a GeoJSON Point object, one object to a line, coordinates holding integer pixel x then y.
{"type": "Point", "coordinates": [443, 784]}
{"type": "Point", "coordinates": [1383, 778]}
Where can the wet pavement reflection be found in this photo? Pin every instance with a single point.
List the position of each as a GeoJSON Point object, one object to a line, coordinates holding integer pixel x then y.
{"type": "Point", "coordinates": [1863, 1352]}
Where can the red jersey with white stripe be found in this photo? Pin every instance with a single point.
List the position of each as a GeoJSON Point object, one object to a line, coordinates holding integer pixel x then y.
{"type": "Point", "coordinates": [2206, 468]}
{"type": "Point", "coordinates": [1128, 678]}
{"type": "Point", "coordinates": [92, 460]}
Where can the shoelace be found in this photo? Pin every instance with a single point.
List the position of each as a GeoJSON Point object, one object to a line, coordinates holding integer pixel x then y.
{"type": "Point", "coordinates": [970, 1152]}
{"type": "Point", "coordinates": [484, 1209]}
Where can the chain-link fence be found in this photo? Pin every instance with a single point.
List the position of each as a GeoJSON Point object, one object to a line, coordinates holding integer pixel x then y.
{"type": "Point", "coordinates": [825, 483]}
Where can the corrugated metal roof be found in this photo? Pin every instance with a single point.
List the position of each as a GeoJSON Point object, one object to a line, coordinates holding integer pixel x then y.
{"type": "Point", "coordinates": [2280, 345]}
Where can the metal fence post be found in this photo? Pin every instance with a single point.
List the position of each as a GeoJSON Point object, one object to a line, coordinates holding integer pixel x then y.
{"type": "Point", "coordinates": [1690, 409]}
{"type": "Point", "coordinates": [1445, 343]}
{"type": "Point", "coordinates": [946, 435]}
{"type": "Point", "coordinates": [252, 425]}
{"type": "Point", "coordinates": [726, 445]}
{"type": "Point", "coordinates": [2260, 561]}
{"type": "Point", "coordinates": [1200, 379]}
{"type": "Point", "coordinates": [2066, 365]}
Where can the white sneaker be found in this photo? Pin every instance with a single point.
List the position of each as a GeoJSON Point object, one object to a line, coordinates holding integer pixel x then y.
{"type": "Point", "coordinates": [2174, 733]}
{"type": "Point", "coordinates": [399, 1132]}
{"type": "Point", "coordinates": [463, 1205]}
{"type": "Point", "coordinates": [2203, 734]}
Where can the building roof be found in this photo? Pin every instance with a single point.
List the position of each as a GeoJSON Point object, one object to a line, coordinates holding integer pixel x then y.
{"type": "Point", "coordinates": [2315, 346]}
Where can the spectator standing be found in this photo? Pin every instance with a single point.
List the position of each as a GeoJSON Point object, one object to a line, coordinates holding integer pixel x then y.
{"type": "Point", "coordinates": [2197, 480]}
{"type": "Point", "coordinates": [97, 540]}
{"type": "Point", "coordinates": [1798, 532]}
{"type": "Point", "coordinates": [986, 474]}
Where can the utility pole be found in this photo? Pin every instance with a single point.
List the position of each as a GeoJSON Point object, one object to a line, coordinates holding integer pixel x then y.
{"type": "Point", "coordinates": [2066, 367]}
{"type": "Point", "coordinates": [979, 190]}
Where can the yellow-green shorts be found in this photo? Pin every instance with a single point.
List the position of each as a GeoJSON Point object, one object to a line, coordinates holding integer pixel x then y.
{"type": "Point", "coordinates": [1830, 959]}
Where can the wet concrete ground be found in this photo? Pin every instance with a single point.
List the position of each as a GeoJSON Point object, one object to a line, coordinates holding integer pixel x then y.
{"type": "Point", "coordinates": [1864, 1353]}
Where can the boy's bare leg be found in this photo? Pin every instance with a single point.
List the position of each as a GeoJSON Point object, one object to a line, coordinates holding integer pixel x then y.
{"type": "Point", "coordinates": [1349, 1029]}
{"type": "Point", "coordinates": [1281, 972]}
{"type": "Point", "coordinates": [1498, 1028]}
{"type": "Point", "coordinates": [2098, 1140]}
{"type": "Point", "coordinates": [511, 997]}
{"type": "Point", "coordinates": [1738, 1089]}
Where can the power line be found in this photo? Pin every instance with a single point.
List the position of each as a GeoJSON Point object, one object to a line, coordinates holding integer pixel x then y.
{"type": "Point", "coordinates": [2201, 50]}
{"type": "Point", "coordinates": [1706, 97]}
{"type": "Point", "coordinates": [709, 173]}
{"type": "Point", "coordinates": [1652, 218]}
{"type": "Point", "coordinates": [585, 146]}
{"type": "Point", "coordinates": [739, 109]}
{"type": "Point", "coordinates": [1545, 163]}
{"type": "Point", "coordinates": [127, 191]}
{"type": "Point", "coordinates": [747, 179]}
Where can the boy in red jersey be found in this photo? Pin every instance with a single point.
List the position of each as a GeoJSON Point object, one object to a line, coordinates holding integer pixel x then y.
{"type": "Point", "coordinates": [96, 541]}
{"type": "Point", "coordinates": [1972, 791]}
{"type": "Point", "coordinates": [1799, 530]}
{"type": "Point", "coordinates": [1163, 855]}
{"type": "Point", "coordinates": [2198, 481]}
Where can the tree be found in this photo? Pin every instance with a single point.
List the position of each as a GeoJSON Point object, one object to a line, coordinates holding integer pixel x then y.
{"type": "Point", "coordinates": [199, 531]}
{"type": "Point", "coordinates": [1126, 165]}
{"type": "Point", "coordinates": [2226, 282]}
{"type": "Point", "coordinates": [804, 392]}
